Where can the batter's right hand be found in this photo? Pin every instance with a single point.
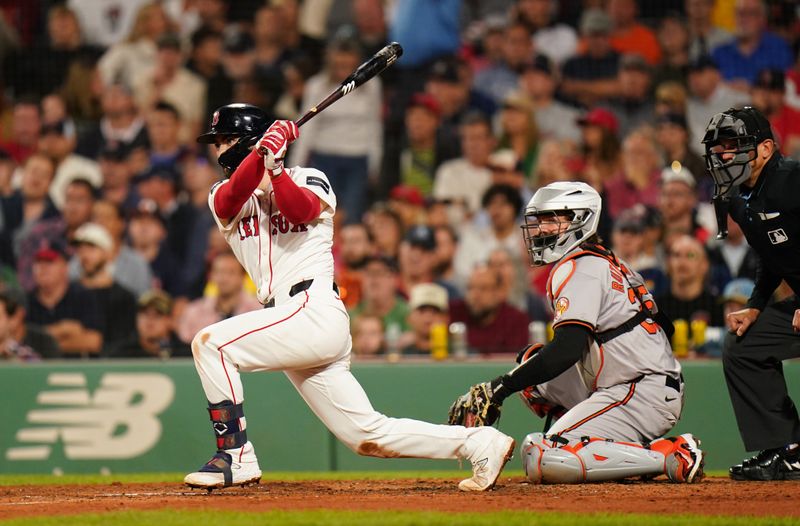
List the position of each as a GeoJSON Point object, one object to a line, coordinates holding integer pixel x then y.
{"type": "Point", "coordinates": [741, 320]}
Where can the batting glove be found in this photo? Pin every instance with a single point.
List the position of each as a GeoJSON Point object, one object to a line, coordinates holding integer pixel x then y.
{"type": "Point", "coordinates": [272, 145]}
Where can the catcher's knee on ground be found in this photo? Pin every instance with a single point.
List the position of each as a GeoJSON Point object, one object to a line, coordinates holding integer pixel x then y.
{"type": "Point", "coordinates": [590, 460]}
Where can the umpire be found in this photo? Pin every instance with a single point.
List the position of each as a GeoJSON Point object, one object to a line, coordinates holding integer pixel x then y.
{"type": "Point", "coordinates": [761, 191]}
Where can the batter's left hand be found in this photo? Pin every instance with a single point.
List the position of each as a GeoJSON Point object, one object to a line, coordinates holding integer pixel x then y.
{"type": "Point", "coordinates": [796, 321]}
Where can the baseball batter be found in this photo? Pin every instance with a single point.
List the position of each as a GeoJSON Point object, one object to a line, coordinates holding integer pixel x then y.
{"type": "Point", "coordinates": [279, 223]}
{"type": "Point", "coordinates": [609, 372]}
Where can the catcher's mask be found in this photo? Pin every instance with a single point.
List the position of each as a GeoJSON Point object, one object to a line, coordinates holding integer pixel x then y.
{"type": "Point", "coordinates": [730, 141]}
{"type": "Point", "coordinates": [243, 121]}
{"type": "Point", "coordinates": [558, 218]}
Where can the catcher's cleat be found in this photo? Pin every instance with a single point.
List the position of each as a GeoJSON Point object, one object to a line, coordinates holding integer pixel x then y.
{"type": "Point", "coordinates": [488, 460]}
{"type": "Point", "coordinates": [685, 463]}
{"type": "Point", "coordinates": [224, 469]}
{"type": "Point", "coordinates": [770, 464]}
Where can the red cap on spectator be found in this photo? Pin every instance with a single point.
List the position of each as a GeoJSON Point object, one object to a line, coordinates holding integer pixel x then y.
{"type": "Point", "coordinates": [50, 250]}
{"type": "Point", "coordinates": [426, 101]}
{"type": "Point", "coordinates": [600, 117]}
{"type": "Point", "coordinates": [407, 194]}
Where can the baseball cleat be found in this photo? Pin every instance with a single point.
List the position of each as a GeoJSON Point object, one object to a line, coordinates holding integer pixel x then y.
{"type": "Point", "coordinates": [770, 464]}
{"type": "Point", "coordinates": [489, 460]}
{"type": "Point", "coordinates": [222, 471]}
{"type": "Point", "coordinates": [685, 463]}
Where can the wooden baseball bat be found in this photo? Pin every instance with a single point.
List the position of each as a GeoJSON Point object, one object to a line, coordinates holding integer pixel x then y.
{"type": "Point", "coordinates": [372, 67]}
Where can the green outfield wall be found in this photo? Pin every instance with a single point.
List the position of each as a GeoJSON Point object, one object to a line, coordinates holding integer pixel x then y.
{"type": "Point", "coordinates": [83, 417]}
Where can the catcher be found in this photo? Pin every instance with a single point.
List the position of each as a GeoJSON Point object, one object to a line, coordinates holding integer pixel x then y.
{"type": "Point", "coordinates": [608, 375]}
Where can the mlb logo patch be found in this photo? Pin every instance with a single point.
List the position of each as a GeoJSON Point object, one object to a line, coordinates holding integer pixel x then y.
{"type": "Point", "coordinates": [776, 237]}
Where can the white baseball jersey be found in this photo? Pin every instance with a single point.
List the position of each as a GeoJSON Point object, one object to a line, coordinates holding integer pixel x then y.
{"type": "Point", "coordinates": [275, 253]}
{"type": "Point", "coordinates": [591, 291]}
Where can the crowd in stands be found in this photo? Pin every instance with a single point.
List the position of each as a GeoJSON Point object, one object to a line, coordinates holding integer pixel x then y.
{"type": "Point", "coordinates": [107, 244]}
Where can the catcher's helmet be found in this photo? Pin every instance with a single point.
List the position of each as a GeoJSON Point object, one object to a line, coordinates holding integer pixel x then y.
{"type": "Point", "coordinates": [245, 121]}
{"type": "Point", "coordinates": [737, 132]}
{"type": "Point", "coordinates": [582, 205]}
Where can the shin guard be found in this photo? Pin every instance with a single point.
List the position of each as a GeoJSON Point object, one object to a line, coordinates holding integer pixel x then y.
{"type": "Point", "coordinates": [229, 424]}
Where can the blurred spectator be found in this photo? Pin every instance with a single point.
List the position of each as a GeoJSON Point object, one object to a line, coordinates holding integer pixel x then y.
{"type": "Point", "coordinates": [23, 330]}
{"type": "Point", "coordinates": [206, 62]}
{"type": "Point", "coordinates": [120, 127]}
{"type": "Point", "coordinates": [518, 131]}
{"type": "Point", "coordinates": [354, 247]}
{"type": "Point", "coordinates": [296, 73]}
{"type": "Point", "coordinates": [499, 79]}
{"type": "Point", "coordinates": [105, 26]}
{"type": "Point", "coordinates": [732, 257]}
{"type": "Point", "coordinates": [673, 35]}
{"type": "Point", "coordinates": [450, 83]}
{"type": "Point", "coordinates": [703, 33]}
{"type": "Point", "coordinates": [503, 205]}
{"type": "Point", "coordinates": [769, 97]}
{"type": "Point", "coordinates": [557, 161]}
{"type": "Point", "coordinates": [79, 199]}
{"type": "Point", "coordinates": [493, 326]}
{"type": "Point", "coordinates": [26, 123]}
{"type": "Point", "coordinates": [385, 228]}
{"type": "Point", "coordinates": [591, 76]}
{"type": "Point", "coordinates": [127, 61]}
{"type": "Point", "coordinates": [380, 295]}
{"type": "Point", "coordinates": [554, 119]}
{"type": "Point", "coordinates": [754, 47]}
{"type": "Point", "coordinates": [169, 81]}
{"type": "Point", "coordinates": [212, 14]}
{"type": "Point", "coordinates": [465, 179]}
{"type": "Point", "coordinates": [427, 307]}
{"type": "Point", "coordinates": [65, 309]}
{"type": "Point", "coordinates": [368, 336]}
{"type": "Point", "coordinates": [677, 203]}
{"type": "Point", "coordinates": [42, 68]}
{"type": "Point", "coordinates": [601, 146]}
{"type": "Point", "coordinates": [57, 141]}
{"type": "Point", "coordinates": [369, 21]}
{"type": "Point", "coordinates": [490, 43]}
{"type": "Point", "coordinates": [629, 35]}
{"type": "Point", "coordinates": [689, 297]}
{"type": "Point", "coordinates": [408, 203]}
{"type": "Point", "coordinates": [116, 306]}
{"type": "Point", "coordinates": [632, 106]}
{"type": "Point", "coordinates": [347, 154]}
{"type": "Point", "coordinates": [148, 236]}
{"type": "Point", "coordinates": [270, 35]}
{"type": "Point", "coordinates": [551, 38]}
{"type": "Point", "coordinates": [513, 288]}
{"type": "Point", "coordinates": [227, 275]}
{"type": "Point", "coordinates": [672, 135]}
{"type": "Point", "coordinates": [418, 260]}
{"type": "Point", "coordinates": [154, 337]}
{"type": "Point", "coordinates": [628, 242]}
{"type": "Point", "coordinates": [428, 30]}
{"type": "Point", "coordinates": [708, 95]}
{"type": "Point", "coordinates": [7, 168]}
{"type": "Point", "coordinates": [82, 92]}
{"type": "Point", "coordinates": [299, 41]}
{"type": "Point", "coordinates": [129, 268]}
{"type": "Point", "coordinates": [735, 295]}
{"type": "Point", "coordinates": [671, 97]}
{"type": "Point", "coordinates": [653, 251]}
{"type": "Point", "coordinates": [507, 169]}
{"type": "Point", "coordinates": [638, 182]}
{"type": "Point", "coordinates": [159, 185]}
{"type": "Point", "coordinates": [239, 56]}
{"type": "Point", "coordinates": [10, 349]}
{"type": "Point", "coordinates": [163, 129]}
{"type": "Point", "coordinates": [118, 174]}
{"type": "Point", "coordinates": [443, 269]}
{"type": "Point", "coordinates": [423, 153]}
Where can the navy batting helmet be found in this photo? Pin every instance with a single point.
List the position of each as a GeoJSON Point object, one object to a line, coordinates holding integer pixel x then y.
{"type": "Point", "coordinates": [243, 121]}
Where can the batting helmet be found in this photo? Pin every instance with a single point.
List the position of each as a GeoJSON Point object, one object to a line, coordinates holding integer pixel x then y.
{"type": "Point", "coordinates": [245, 121]}
{"type": "Point", "coordinates": [736, 131]}
{"type": "Point", "coordinates": [579, 202]}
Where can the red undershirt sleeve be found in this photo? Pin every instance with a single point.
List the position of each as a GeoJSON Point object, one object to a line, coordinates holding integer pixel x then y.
{"type": "Point", "coordinates": [298, 205]}
{"type": "Point", "coordinates": [230, 198]}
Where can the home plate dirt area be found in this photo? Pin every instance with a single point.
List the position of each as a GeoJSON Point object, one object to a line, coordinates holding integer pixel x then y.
{"type": "Point", "coordinates": [712, 496]}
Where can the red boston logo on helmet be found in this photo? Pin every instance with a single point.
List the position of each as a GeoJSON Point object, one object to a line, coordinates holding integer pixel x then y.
{"type": "Point", "coordinates": [215, 118]}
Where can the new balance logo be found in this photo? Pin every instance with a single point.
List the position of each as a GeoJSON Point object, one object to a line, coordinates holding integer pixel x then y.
{"type": "Point", "coordinates": [119, 420]}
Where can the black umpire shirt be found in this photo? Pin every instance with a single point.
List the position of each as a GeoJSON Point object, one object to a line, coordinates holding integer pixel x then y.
{"type": "Point", "coordinates": [769, 215]}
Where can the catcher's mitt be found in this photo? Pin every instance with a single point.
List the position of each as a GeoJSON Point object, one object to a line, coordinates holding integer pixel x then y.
{"type": "Point", "coordinates": [475, 408]}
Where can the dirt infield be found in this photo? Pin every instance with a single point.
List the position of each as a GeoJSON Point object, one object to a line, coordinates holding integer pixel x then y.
{"type": "Point", "coordinates": [715, 496]}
